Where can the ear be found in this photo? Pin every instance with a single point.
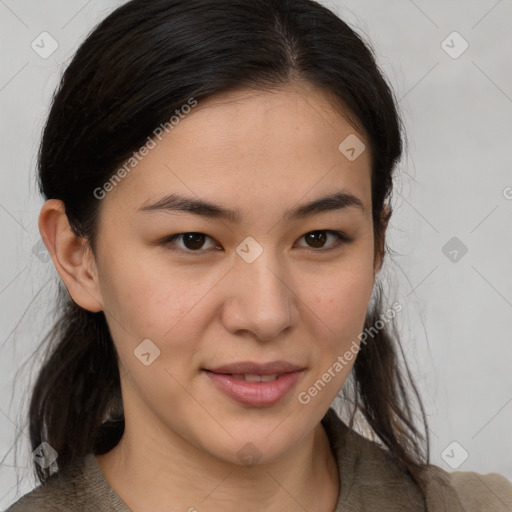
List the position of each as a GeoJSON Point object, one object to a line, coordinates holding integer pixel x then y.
{"type": "Point", "coordinates": [380, 248]}
{"type": "Point", "coordinates": [71, 256]}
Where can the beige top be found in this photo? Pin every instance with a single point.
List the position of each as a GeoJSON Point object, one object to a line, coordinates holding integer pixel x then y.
{"type": "Point", "coordinates": [369, 481]}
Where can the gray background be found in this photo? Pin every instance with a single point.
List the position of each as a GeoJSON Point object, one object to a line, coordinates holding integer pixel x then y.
{"type": "Point", "coordinates": [455, 181]}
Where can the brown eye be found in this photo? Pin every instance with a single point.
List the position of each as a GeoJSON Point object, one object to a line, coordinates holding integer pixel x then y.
{"type": "Point", "coordinates": [195, 242]}
{"type": "Point", "coordinates": [192, 242]}
{"type": "Point", "coordinates": [317, 239]}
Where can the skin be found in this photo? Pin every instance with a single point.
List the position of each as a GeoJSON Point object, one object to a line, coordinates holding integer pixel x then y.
{"type": "Point", "coordinates": [262, 153]}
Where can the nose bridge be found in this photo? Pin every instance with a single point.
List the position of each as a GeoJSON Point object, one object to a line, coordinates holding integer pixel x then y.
{"type": "Point", "coordinates": [262, 294]}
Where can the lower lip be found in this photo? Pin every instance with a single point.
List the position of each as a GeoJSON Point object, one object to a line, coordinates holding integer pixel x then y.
{"type": "Point", "coordinates": [255, 394]}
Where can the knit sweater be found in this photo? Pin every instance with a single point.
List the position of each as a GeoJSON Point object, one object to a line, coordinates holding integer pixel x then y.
{"type": "Point", "coordinates": [370, 480]}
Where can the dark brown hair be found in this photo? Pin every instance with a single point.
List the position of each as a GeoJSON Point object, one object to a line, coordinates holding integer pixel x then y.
{"type": "Point", "coordinates": [138, 66]}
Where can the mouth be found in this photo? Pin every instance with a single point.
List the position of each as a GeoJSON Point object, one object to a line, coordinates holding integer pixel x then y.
{"type": "Point", "coordinates": [248, 377]}
{"type": "Point", "coordinates": [251, 368]}
{"type": "Point", "coordinates": [255, 385]}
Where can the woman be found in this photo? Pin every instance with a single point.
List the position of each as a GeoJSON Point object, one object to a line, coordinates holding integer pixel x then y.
{"type": "Point", "coordinates": [217, 177]}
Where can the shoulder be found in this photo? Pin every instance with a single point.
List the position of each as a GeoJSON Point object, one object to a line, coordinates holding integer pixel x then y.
{"type": "Point", "coordinates": [479, 492]}
{"type": "Point", "coordinates": [59, 493]}
{"type": "Point", "coordinates": [51, 496]}
{"type": "Point", "coordinates": [371, 476]}
{"type": "Point", "coordinates": [470, 491]}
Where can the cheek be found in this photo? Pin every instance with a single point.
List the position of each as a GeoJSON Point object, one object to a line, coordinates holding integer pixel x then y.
{"type": "Point", "coordinates": [340, 295]}
{"type": "Point", "coordinates": [339, 306]}
{"type": "Point", "coordinates": [151, 297]}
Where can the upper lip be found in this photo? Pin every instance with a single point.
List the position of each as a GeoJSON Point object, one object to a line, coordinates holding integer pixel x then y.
{"type": "Point", "coordinates": [249, 367]}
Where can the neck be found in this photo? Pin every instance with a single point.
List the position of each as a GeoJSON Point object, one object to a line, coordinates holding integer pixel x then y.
{"type": "Point", "coordinates": [185, 478]}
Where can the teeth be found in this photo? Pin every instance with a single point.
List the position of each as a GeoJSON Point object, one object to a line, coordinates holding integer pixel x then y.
{"type": "Point", "coordinates": [268, 378]}
{"type": "Point", "coordinates": [256, 378]}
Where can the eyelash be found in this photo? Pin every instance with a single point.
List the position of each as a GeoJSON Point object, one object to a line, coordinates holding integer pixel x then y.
{"type": "Point", "coordinates": [342, 239]}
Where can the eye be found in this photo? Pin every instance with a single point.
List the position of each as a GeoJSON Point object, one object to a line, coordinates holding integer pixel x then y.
{"type": "Point", "coordinates": [318, 239]}
{"type": "Point", "coordinates": [194, 242]}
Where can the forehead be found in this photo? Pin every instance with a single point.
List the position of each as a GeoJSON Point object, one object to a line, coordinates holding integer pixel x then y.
{"type": "Point", "coordinates": [252, 148]}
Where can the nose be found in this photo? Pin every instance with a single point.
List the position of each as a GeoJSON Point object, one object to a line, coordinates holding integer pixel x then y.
{"type": "Point", "coordinates": [260, 299]}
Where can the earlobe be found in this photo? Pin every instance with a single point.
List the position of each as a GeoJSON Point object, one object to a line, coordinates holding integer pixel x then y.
{"type": "Point", "coordinates": [71, 256]}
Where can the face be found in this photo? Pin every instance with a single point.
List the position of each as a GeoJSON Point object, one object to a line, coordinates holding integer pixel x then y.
{"type": "Point", "coordinates": [219, 297]}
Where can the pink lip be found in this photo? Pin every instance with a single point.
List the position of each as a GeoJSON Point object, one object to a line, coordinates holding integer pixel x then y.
{"type": "Point", "coordinates": [256, 394]}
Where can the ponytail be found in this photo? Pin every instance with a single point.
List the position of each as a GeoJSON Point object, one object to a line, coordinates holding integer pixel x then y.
{"type": "Point", "coordinates": [384, 394]}
{"type": "Point", "coordinates": [76, 402]}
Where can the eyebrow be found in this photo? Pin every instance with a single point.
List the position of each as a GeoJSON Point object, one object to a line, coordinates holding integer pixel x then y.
{"type": "Point", "coordinates": [177, 203]}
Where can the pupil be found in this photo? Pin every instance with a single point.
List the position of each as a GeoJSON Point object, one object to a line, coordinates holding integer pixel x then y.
{"type": "Point", "coordinates": [191, 240]}
{"type": "Point", "coordinates": [318, 235]}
